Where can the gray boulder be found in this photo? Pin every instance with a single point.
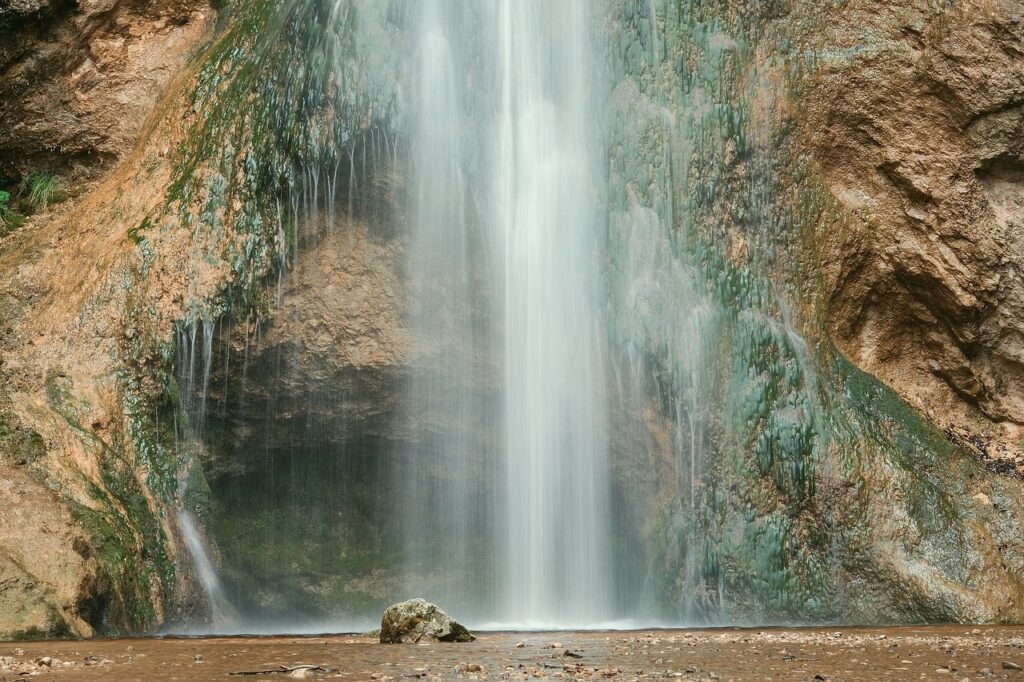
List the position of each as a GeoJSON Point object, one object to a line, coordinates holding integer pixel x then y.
{"type": "Point", "coordinates": [410, 621]}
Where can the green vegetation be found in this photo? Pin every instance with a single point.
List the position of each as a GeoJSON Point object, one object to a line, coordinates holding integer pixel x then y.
{"type": "Point", "coordinates": [38, 190]}
{"type": "Point", "coordinates": [125, 526]}
{"type": "Point", "coordinates": [9, 218]}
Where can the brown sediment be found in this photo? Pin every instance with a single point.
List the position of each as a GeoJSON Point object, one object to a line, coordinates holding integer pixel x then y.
{"type": "Point", "coordinates": [854, 654]}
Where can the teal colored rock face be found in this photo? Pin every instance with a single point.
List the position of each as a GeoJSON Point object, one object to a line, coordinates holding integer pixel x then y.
{"type": "Point", "coordinates": [804, 490]}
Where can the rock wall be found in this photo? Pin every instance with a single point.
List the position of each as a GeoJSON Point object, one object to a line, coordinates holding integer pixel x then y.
{"type": "Point", "coordinates": [85, 546]}
{"type": "Point", "coordinates": [79, 80]}
{"type": "Point", "coordinates": [915, 119]}
{"type": "Point", "coordinates": [799, 487]}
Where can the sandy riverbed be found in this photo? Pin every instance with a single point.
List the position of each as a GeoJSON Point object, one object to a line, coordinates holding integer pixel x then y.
{"type": "Point", "coordinates": [933, 653]}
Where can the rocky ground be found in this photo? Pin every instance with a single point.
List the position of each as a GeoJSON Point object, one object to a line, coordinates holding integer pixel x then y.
{"type": "Point", "coordinates": [933, 653]}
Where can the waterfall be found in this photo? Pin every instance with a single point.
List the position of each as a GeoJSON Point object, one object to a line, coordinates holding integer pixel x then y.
{"type": "Point", "coordinates": [507, 177]}
{"type": "Point", "coordinates": [222, 614]}
{"type": "Point", "coordinates": [445, 516]}
{"type": "Point", "coordinates": [556, 556]}
{"type": "Point", "coordinates": [491, 493]}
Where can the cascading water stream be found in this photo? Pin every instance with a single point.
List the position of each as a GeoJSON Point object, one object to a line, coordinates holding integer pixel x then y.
{"type": "Point", "coordinates": [441, 483]}
{"type": "Point", "coordinates": [518, 117]}
{"type": "Point", "coordinates": [556, 554]}
{"type": "Point", "coordinates": [535, 365]}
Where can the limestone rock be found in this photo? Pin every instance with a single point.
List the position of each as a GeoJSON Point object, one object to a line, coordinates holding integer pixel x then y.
{"type": "Point", "coordinates": [79, 80]}
{"type": "Point", "coordinates": [410, 621]}
{"type": "Point", "coordinates": [929, 165]}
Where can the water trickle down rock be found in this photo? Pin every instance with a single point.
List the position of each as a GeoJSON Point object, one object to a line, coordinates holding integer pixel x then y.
{"type": "Point", "coordinates": [412, 620]}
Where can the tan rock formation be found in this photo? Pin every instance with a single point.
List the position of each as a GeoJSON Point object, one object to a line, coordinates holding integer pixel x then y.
{"type": "Point", "coordinates": [916, 119]}
{"type": "Point", "coordinates": [77, 87]}
{"type": "Point", "coordinates": [78, 81]}
{"type": "Point", "coordinates": [915, 116]}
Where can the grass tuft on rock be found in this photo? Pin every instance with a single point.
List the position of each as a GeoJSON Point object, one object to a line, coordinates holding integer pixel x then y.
{"type": "Point", "coordinates": [38, 190]}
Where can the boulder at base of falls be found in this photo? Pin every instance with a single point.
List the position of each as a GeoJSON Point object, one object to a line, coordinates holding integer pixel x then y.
{"type": "Point", "coordinates": [410, 621]}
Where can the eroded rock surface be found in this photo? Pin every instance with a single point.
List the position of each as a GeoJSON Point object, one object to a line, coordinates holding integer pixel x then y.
{"type": "Point", "coordinates": [50, 582]}
{"type": "Point", "coordinates": [78, 80]}
{"type": "Point", "coordinates": [916, 119]}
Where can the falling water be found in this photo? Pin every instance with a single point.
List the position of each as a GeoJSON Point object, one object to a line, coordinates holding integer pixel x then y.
{"type": "Point", "coordinates": [222, 614]}
{"type": "Point", "coordinates": [556, 556]}
{"type": "Point", "coordinates": [566, 214]}
{"type": "Point", "coordinates": [499, 483]}
{"type": "Point", "coordinates": [511, 133]}
{"type": "Point", "coordinates": [195, 391]}
{"type": "Point", "coordinates": [445, 519]}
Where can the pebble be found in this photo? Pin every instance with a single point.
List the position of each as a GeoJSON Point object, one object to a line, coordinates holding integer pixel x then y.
{"type": "Point", "coordinates": [198, 658]}
{"type": "Point", "coordinates": [1010, 665]}
{"type": "Point", "coordinates": [520, 645]}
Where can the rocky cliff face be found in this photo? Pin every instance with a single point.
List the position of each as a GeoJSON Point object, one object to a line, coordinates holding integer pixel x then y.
{"type": "Point", "coordinates": [80, 79]}
{"type": "Point", "coordinates": [915, 119]}
{"type": "Point", "coordinates": [812, 176]}
{"type": "Point", "coordinates": [807, 489]}
{"type": "Point", "coordinates": [86, 547]}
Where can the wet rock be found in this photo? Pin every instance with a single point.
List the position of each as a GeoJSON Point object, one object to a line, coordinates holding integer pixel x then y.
{"type": "Point", "coordinates": [412, 620]}
{"type": "Point", "coordinates": [1010, 665]}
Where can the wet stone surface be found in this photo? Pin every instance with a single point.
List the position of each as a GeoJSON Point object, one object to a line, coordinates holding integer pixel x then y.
{"type": "Point", "coordinates": [930, 653]}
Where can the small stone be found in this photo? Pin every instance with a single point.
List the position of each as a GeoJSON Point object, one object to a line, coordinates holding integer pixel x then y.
{"type": "Point", "coordinates": [473, 668]}
{"type": "Point", "coordinates": [520, 645]}
{"type": "Point", "coordinates": [45, 661]}
{"type": "Point", "coordinates": [198, 658]}
{"type": "Point", "coordinates": [555, 645]}
{"type": "Point", "coordinates": [985, 672]}
{"type": "Point", "coordinates": [1010, 665]}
